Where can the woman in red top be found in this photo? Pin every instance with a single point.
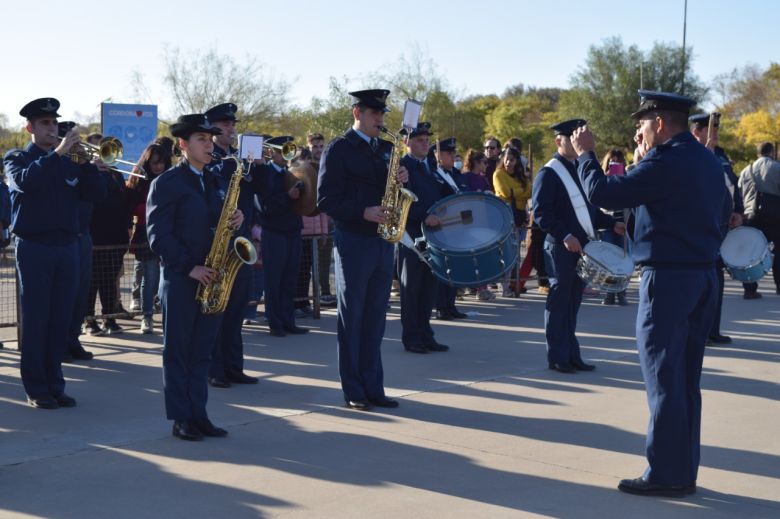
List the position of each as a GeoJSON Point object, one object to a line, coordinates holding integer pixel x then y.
{"type": "Point", "coordinates": [154, 160]}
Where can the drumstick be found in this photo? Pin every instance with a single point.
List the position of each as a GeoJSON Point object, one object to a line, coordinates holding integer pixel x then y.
{"type": "Point", "coordinates": [465, 217]}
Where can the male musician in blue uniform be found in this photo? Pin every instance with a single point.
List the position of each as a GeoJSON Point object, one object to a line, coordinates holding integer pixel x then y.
{"type": "Point", "coordinates": [227, 360]}
{"type": "Point", "coordinates": [678, 195]}
{"type": "Point", "coordinates": [74, 349]}
{"type": "Point", "coordinates": [280, 242]}
{"type": "Point", "coordinates": [182, 210]}
{"type": "Point", "coordinates": [418, 284]}
{"type": "Point", "coordinates": [570, 222]}
{"type": "Point", "coordinates": [701, 131]}
{"type": "Point", "coordinates": [442, 163]}
{"type": "Point", "coordinates": [47, 187]}
{"type": "Point", "coordinates": [351, 185]}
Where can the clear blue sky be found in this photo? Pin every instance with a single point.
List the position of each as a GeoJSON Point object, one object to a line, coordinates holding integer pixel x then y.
{"type": "Point", "coordinates": [74, 52]}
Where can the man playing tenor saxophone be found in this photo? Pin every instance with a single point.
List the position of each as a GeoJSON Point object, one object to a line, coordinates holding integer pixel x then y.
{"type": "Point", "coordinates": [352, 180]}
{"type": "Point", "coordinates": [181, 210]}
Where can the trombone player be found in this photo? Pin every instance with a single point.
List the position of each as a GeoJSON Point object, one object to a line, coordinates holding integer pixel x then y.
{"type": "Point", "coordinates": [47, 187]}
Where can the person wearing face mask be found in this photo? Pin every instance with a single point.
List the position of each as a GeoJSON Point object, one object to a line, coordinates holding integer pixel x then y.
{"type": "Point", "coordinates": [492, 151]}
{"type": "Point", "coordinates": [679, 199]}
{"type": "Point", "coordinates": [47, 184]}
{"type": "Point", "coordinates": [614, 163]}
{"type": "Point", "coordinates": [561, 211]}
{"type": "Point", "coordinates": [458, 162]}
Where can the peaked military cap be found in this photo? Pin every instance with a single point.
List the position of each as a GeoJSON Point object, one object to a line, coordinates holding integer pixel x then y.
{"type": "Point", "coordinates": [63, 127]}
{"type": "Point", "coordinates": [375, 98]}
{"type": "Point", "coordinates": [702, 120]}
{"type": "Point", "coordinates": [422, 129]}
{"type": "Point", "coordinates": [448, 144]}
{"type": "Point", "coordinates": [566, 128]}
{"type": "Point", "coordinates": [43, 107]}
{"type": "Point", "coordinates": [186, 125]}
{"type": "Point", "coordinates": [223, 112]}
{"type": "Point", "coordinates": [650, 101]}
{"type": "Point", "coordinates": [279, 141]}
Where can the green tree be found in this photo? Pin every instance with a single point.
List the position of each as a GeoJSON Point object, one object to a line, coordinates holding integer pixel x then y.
{"type": "Point", "coordinates": [604, 91]}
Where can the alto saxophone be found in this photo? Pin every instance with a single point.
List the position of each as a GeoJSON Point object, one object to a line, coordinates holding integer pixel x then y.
{"type": "Point", "coordinates": [397, 200]}
{"type": "Point", "coordinates": [213, 297]}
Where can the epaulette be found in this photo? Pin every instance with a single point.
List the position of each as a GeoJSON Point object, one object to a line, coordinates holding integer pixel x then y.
{"type": "Point", "coordinates": [14, 153]}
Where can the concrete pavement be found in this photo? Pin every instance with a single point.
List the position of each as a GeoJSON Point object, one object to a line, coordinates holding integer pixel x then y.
{"type": "Point", "coordinates": [483, 431]}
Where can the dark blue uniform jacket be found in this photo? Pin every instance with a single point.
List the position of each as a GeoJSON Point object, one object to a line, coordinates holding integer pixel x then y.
{"type": "Point", "coordinates": [45, 193]}
{"type": "Point", "coordinates": [677, 191]}
{"type": "Point", "coordinates": [276, 212]}
{"type": "Point", "coordinates": [352, 177]}
{"type": "Point", "coordinates": [552, 207]}
{"type": "Point", "coordinates": [181, 217]}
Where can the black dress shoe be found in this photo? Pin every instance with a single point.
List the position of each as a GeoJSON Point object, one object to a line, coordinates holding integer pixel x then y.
{"type": "Point", "coordinates": [44, 402]}
{"type": "Point", "coordinates": [720, 339]}
{"type": "Point", "coordinates": [383, 401]}
{"type": "Point", "coordinates": [82, 354]}
{"type": "Point", "coordinates": [444, 315]}
{"type": "Point", "coordinates": [435, 346]}
{"type": "Point", "coordinates": [458, 315]}
{"type": "Point", "coordinates": [186, 430]}
{"type": "Point", "coordinates": [415, 348]}
{"type": "Point", "coordinates": [64, 400]}
{"type": "Point", "coordinates": [276, 332]}
{"type": "Point", "coordinates": [207, 428]}
{"type": "Point", "coordinates": [642, 487]}
{"type": "Point", "coordinates": [563, 368]}
{"type": "Point", "coordinates": [220, 382]}
{"type": "Point", "coordinates": [296, 330]}
{"type": "Point", "coordinates": [241, 378]}
{"type": "Point", "coordinates": [579, 365]}
{"type": "Point", "coordinates": [360, 405]}
{"type": "Point", "coordinates": [751, 295]}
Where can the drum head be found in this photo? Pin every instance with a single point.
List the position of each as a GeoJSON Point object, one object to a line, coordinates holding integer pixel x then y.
{"type": "Point", "coordinates": [471, 221]}
{"type": "Point", "coordinates": [743, 247]}
{"type": "Point", "coordinates": [611, 257]}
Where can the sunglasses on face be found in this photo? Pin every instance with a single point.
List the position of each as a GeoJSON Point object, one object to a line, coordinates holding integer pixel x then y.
{"type": "Point", "coordinates": [491, 147]}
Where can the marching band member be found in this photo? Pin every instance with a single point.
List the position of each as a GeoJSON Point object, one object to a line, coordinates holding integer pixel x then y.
{"type": "Point", "coordinates": [181, 212]}
{"type": "Point", "coordinates": [350, 188]}
{"type": "Point", "coordinates": [562, 212]}
{"type": "Point", "coordinates": [47, 187]}
{"type": "Point", "coordinates": [227, 360]}
{"type": "Point", "coordinates": [442, 162]}
{"type": "Point", "coordinates": [281, 242]}
{"type": "Point", "coordinates": [418, 284]}
{"type": "Point", "coordinates": [676, 238]}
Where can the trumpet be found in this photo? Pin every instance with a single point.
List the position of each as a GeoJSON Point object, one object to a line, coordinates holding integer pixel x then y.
{"type": "Point", "coordinates": [109, 151]}
{"type": "Point", "coordinates": [288, 150]}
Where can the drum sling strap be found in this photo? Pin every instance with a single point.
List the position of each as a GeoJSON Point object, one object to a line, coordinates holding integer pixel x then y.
{"type": "Point", "coordinates": [575, 196]}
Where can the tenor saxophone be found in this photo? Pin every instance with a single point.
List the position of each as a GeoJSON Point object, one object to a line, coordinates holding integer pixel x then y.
{"type": "Point", "coordinates": [397, 200]}
{"type": "Point", "coordinates": [223, 258]}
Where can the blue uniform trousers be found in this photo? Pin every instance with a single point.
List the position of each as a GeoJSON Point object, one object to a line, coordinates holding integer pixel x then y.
{"type": "Point", "coordinates": [82, 295]}
{"type": "Point", "coordinates": [48, 282]}
{"type": "Point", "coordinates": [715, 330]}
{"type": "Point", "coordinates": [676, 308]}
{"type": "Point", "coordinates": [188, 342]}
{"type": "Point", "coordinates": [563, 303]}
{"type": "Point", "coordinates": [228, 355]}
{"type": "Point", "coordinates": [445, 296]}
{"type": "Point", "coordinates": [364, 273]}
{"type": "Point", "coordinates": [418, 291]}
{"type": "Point", "coordinates": [281, 263]}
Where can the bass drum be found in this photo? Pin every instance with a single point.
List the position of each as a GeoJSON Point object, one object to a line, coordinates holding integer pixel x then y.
{"type": "Point", "coordinates": [746, 254]}
{"type": "Point", "coordinates": [476, 243]}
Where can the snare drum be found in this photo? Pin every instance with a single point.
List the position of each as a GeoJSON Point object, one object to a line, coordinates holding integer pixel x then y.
{"type": "Point", "coordinates": [605, 266]}
{"type": "Point", "coordinates": [746, 254]}
{"type": "Point", "coordinates": [477, 244]}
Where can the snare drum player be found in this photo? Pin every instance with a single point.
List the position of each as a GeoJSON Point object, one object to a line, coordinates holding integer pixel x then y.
{"type": "Point", "coordinates": [676, 237]}
{"type": "Point", "coordinates": [561, 210]}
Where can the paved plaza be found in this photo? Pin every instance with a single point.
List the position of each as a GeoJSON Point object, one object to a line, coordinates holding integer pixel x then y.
{"type": "Point", "coordinates": [485, 430]}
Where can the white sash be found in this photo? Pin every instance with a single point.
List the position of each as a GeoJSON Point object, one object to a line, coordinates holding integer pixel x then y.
{"type": "Point", "coordinates": [575, 195]}
{"type": "Point", "coordinates": [447, 178]}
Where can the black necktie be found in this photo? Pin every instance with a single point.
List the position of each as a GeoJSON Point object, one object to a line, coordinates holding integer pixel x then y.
{"type": "Point", "coordinates": [374, 144]}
